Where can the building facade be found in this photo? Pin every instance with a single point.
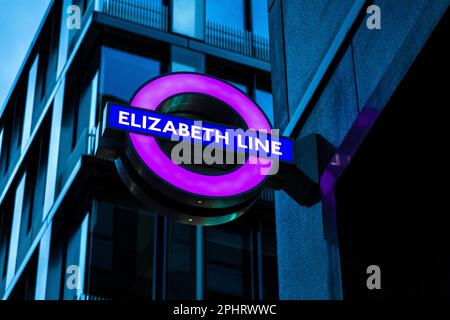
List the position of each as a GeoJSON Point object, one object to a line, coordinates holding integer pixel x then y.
{"type": "Point", "coordinates": [69, 227]}
{"type": "Point", "coordinates": [360, 85]}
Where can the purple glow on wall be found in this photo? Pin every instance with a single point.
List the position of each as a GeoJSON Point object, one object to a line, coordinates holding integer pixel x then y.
{"type": "Point", "coordinates": [347, 149]}
{"type": "Point", "coordinates": [245, 178]}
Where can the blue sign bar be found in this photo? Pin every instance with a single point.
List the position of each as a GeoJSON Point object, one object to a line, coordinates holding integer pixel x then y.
{"type": "Point", "coordinates": [142, 121]}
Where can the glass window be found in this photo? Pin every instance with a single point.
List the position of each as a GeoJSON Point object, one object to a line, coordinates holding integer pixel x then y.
{"type": "Point", "coordinates": [181, 279]}
{"type": "Point", "coordinates": [12, 126]}
{"type": "Point", "coordinates": [240, 257]}
{"type": "Point", "coordinates": [82, 4]}
{"type": "Point", "coordinates": [83, 109]}
{"type": "Point", "coordinates": [79, 108]}
{"type": "Point", "coordinates": [267, 241]}
{"type": "Point", "coordinates": [71, 36]}
{"type": "Point", "coordinates": [121, 259]}
{"type": "Point", "coordinates": [74, 255]}
{"type": "Point", "coordinates": [227, 261]}
{"type": "Point", "coordinates": [188, 18]}
{"type": "Point", "coordinates": [29, 103]}
{"type": "Point", "coordinates": [56, 266]}
{"type": "Point", "coordinates": [5, 235]}
{"type": "Point", "coordinates": [186, 60]}
{"type": "Point", "coordinates": [78, 101]}
{"type": "Point", "coordinates": [33, 202]}
{"type": "Point", "coordinates": [1, 141]}
{"type": "Point", "coordinates": [25, 288]}
{"type": "Point", "coordinates": [16, 138]}
{"type": "Point", "coordinates": [47, 65]}
{"type": "Point", "coordinates": [72, 258]}
{"type": "Point", "coordinates": [67, 253]}
{"type": "Point", "coordinates": [4, 155]}
{"type": "Point", "coordinates": [260, 17]}
{"type": "Point", "coordinates": [238, 85]}
{"type": "Point", "coordinates": [230, 12]}
{"type": "Point", "coordinates": [122, 73]}
{"type": "Point", "coordinates": [264, 100]}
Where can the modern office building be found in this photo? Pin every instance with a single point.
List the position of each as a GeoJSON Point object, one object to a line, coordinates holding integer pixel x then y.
{"type": "Point", "coordinates": [70, 229]}
{"type": "Point", "coordinates": [363, 88]}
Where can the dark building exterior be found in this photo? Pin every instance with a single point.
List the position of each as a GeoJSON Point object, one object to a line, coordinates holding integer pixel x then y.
{"type": "Point", "coordinates": [360, 102]}
{"type": "Point", "coordinates": [65, 214]}
{"type": "Point", "coordinates": [375, 97]}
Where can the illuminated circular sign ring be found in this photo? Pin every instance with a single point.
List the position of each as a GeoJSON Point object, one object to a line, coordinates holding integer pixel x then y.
{"type": "Point", "coordinates": [220, 191]}
{"type": "Point", "coordinates": [239, 181]}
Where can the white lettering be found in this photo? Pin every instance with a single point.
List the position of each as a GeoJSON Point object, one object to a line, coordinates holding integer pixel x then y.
{"type": "Point", "coordinates": [225, 137]}
{"type": "Point", "coordinates": [153, 125]}
{"type": "Point", "coordinates": [183, 130]}
{"type": "Point", "coordinates": [123, 116]}
{"type": "Point", "coordinates": [196, 132]}
{"type": "Point", "coordinates": [276, 148]}
{"type": "Point", "coordinates": [264, 146]}
{"type": "Point", "coordinates": [133, 121]}
{"type": "Point", "coordinates": [240, 142]}
{"type": "Point", "coordinates": [208, 133]}
{"type": "Point", "coordinates": [170, 127]}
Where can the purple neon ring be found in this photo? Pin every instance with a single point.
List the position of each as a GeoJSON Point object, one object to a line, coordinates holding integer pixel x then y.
{"type": "Point", "coordinates": [239, 181]}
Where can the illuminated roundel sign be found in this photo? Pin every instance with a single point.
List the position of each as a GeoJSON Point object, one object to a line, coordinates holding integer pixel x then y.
{"type": "Point", "coordinates": [181, 104]}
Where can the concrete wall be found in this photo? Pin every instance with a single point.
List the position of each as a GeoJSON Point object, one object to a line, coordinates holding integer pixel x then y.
{"type": "Point", "coordinates": [301, 34]}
